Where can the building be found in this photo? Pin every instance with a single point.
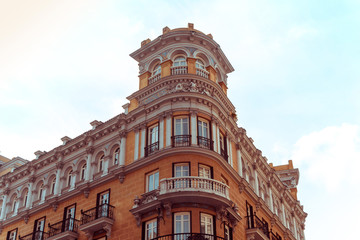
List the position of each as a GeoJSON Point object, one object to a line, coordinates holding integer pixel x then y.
{"type": "Point", "coordinates": [174, 165]}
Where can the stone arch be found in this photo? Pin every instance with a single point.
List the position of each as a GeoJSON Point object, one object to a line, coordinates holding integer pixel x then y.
{"type": "Point", "coordinates": [180, 51]}
{"type": "Point", "coordinates": [153, 62]}
{"type": "Point", "coordinates": [114, 153]}
{"type": "Point", "coordinates": [202, 56]}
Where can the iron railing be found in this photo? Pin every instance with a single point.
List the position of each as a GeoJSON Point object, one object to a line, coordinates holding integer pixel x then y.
{"type": "Point", "coordinates": [181, 140]}
{"type": "Point", "coordinates": [188, 236]}
{"type": "Point", "coordinates": [224, 154]}
{"type": "Point", "coordinates": [205, 142]}
{"type": "Point", "coordinates": [255, 222]}
{"type": "Point", "coordinates": [69, 224]}
{"type": "Point", "coordinates": [37, 235]}
{"type": "Point", "coordinates": [104, 210]}
{"type": "Point", "coordinates": [273, 236]}
{"type": "Point", "coordinates": [151, 148]}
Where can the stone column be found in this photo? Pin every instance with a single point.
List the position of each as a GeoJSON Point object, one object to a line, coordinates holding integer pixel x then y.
{"type": "Point", "coordinates": [107, 160]}
{"type": "Point", "coordinates": [271, 198]}
{"type": "Point", "coordinates": [122, 148]}
{"type": "Point", "coordinates": [294, 222]}
{"type": "Point", "coordinates": [89, 151]}
{"type": "Point", "coordinates": [283, 212]}
{"type": "Point", "coordinates": [136, 147]}
{"type": "Point", "coordinates": [31, 189]}
{"type": "Point", "coordinates": [218, 137]}
{"type": "Point", "coordinates": [3, 208]}
{"type": "Point", "coordinates": [168, 129]}
{"type": "Point", "coordinates": [193, 123]}
{"type": "Point", "coordinates": [229, 150]}
{"type": "Point", "coordinates": [59, 166]}
{"type": "Point", "coordinates": [143, 141]}
{"type": "Point", "coordinates": [238, 155]}
{"type": "Point", "coordinates": [256, 181]}
{"type": "Point", "coordinates": [161, 132]}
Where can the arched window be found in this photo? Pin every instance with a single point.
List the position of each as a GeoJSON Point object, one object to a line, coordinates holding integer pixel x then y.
{"type": "Point", "coordinates": [53, 186]}
{"type": "Point", "coordinates": [25, 198]}
{"type": "Point", "coordinates": [200, 64]}
{"type": "Point", "coordinates": [116, 156]}
{"type": "Point", "coordinates": [179, 61]}
{"type": "Point", "coordinates": [69, 178]}
{"type": "Point", "coordinates": [41, 193]}
{"type": "Point", "coordinates": [82, 172]}
{"type": "Point", "coordinates": [15, 206]}
{"type": "Point", "coordinates": [101, 163]}
{"type": "Point", "coordinates": [156, 70]}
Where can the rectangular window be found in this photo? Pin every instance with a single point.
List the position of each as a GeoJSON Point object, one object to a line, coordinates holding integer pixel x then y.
{"type": "Point", "coordinates": [249, 215]}
{"type": "Point", "coordinates": [181, 170]}
{"type": "Point", "coordinates": [150, 229]}
{"type": "Point", "coordinates": [228, 233]}
{"type": "Point", "coordinates": [181, 137]}
{"type": "Point", "coordinates": [152, 139]}
{"type": "Point", "coordinates": [206, 224]}
{"type": "Point", "coordinates": [204, 139]}
{"type": "Point", "coordinates": [223, 146]}
{"type": "Point", "coordinates": [205, 171]}
{"type": "Point", "coordinates": [68, 218]}
{"type": "Point", "coordinates": [181, 224]}
{"type": "Point", "coordinates": [152, 181]}
{"type": "Point", "coordinates": [11, 235]}
{"type": "Point", "coordinates": [103, 201]}
{"type": "Point", "coordinates": [39, 226]}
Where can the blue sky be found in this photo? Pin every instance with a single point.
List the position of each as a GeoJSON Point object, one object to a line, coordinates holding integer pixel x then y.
{"type": "Point", "coordinates": [296, 82]}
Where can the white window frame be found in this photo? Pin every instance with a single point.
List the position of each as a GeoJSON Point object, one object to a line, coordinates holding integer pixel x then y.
{"type": "Point", "coordinates": [200, 64]}
{"type": "Point", "coordinates": [116, 156]}
{"type": "Point", "coordinates": [69, 179]}
{"type": "Point", "coordinates": [26, 193]}
{"type": "Point", "coordinates": [151, 229]}
{"type": "Point", "coordinates": [185, 219]}
{"type": "Point", "coordinates": [15, 206]}
{"type": "Point", "coordinates": [41, 195]}
{"type": "Point", "coordinates": [156, 69]}
{"type": "Point", "coordinates": [53, 183]}
{"type": "Point", "coordinates": [12, 234]}
{"type": "Point", "coordinates": [182, 172]}
{"type": "Point", "coordinates": [101, 163]}
{"type": "Point", "coordinates": [153, 134]}
{"type": "Point", "coordinates": [152, 178]}
{"type": "Point", "coordinates": [201, 126]}
{"type": "Point", "coordinates": [83, 172]}
{"type": "Point", "coordinates": [204, 170]}
{"type": "Point", "coordinates": [206, 220]}
{"type": "Point", "coordinates": [181, 121]}
{"type": "Point", "coordinates": [179, 61]}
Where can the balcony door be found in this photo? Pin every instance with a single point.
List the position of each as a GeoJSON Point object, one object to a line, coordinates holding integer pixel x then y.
{"type": "Point", "coordinates": [181, 131]}
{"type": "Point", "coordinates": [181, 225]}
{"type": "Point", "coordinates": [181, 171]}
{"type": "Point", "coordinates": [152, 139]}
{"type": "Point", "coordinates": [207, 224]}
{"type": "Point", "coordinates": [204, 139]}
{"type": "Point", "coordinates": [103, 200]}
{"type": "Point", "coordinates": [69, 216]}
{"type": "Point", "coordinates": [39, 227]}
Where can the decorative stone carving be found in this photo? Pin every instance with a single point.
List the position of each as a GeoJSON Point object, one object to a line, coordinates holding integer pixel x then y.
{"type": "Point", "coordinates": [107, 228]}
{"type": "Point", "coordinates": [137, 219]}
{"type": "Point", "coordinates": [26, 217]}
{"type": "Point", "coordinates": [167, 207]}
{"type": "Point", "coordinates": [121, 177]}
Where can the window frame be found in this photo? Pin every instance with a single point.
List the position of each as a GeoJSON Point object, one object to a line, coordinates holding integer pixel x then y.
{"type": "Point", "coordinates": [11, 231]}
{"type": "Point", "coordinates": [180, 65]}
{"type": "Point", "coordinates": [213, 223]}
{"type": "Point", "coordinates": [36, 225]}
{"type": "Point", "coordinates": [185, 116]}
{"type": "Point", "coordinates": [83, 172]}
{"type": "Point", "coordinates": [101, 163]}
{"type": "Point", "coordinates": [189, 213]}
{"type": "Point", "coordinates": [201, 165]}
{"type": "Point", "coordinates": [156, 69]}
{"type": "Point", "coordinates": [116, 156]}
{"type": "Point", "coordinates": [145, 229]}
{"type": "Point", "coordinates": [148, 175]}
{"type": "Point", "coordinates": [181, 164]}
{"type": "Point", "coordinates": [41, 195]}
{"type": "Point", "coordinates": [200, 64]}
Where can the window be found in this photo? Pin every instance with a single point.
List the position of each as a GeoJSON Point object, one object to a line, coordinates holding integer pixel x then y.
{"type": "Point", "coordinates": [179, 61]}
{"type": "Point", "coordinates": [152, 139]}
{"type": "Point", "coordinates": [156, 70]}
{"type": "Point", "coordinates": [53, 182]}
{"type": "Point", "coordinates": [11, 235]}
{"type": "Point", "coordinates": [206, 224]}
{"type": "Point", "coordinates": [223, 146]}
{"type": "Point", "coordinates": [83, 172]}
{"type": "Point", "coordinates": [152, 181]}
{"type": "Point", "coordinates": [69, 178]}
{"type": "Point", "coordinates": [200, 64]}
{"type": "Point", "coordinates": [228, 232]}
{"type": "Point", "coordinates": [41, 193]}
{"type": "Point", "coordinates": [15, 206]}
{"type": "Point", "coordinates": [25, 198]}
{"type": "Point", "coordinates": [39, 226]}
{"type": "Point", "coordinates": [151, 229]}
{"type": "Point", "coordinates": [204, 134]}
{"type": "Point", "coordinates": [101, 163]}
{"type": "Point", "coordinates": [249, 215]}
{"type": "Point", "coordinates": [69, 216]}
{"type": "Point", "coordinates": [181, 132]}
{"type": "Point", "coordinates": [181, 224]}
{"type": "Point", "coordinates": [205, 171]}
{"type": "Point", "coordinates": [116, 156]}
{"type": "Point", "coordinates": [103, 201]}
{"type": "Point", "coordinates": [182, 170]}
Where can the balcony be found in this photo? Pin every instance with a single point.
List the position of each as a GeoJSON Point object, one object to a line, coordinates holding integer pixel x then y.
{"type": "Point", "coordinates": [181, 140]}
{"type": "Point", "coordinates": [179, 70]}
{"type": "Point", "coordinates": [202, 72]}
{"type": "Point", "coordinates": [97, 218]}
{"type": "Point", "coordinates": [63, 230]}
{"type": "Point", "coordinates": [37, 235]}
{"type": "Point", "coordinates": [205, 142]}
{"type": "Point", "coordinates": [154, 78]}
{"type": "Point", "coordinates": [151, 148]}
{"type": "Point", "coordinates": [224, 154]}
{"type": "Point", "coordinates": [257, 229]}
{"type": "Point", "coordinates": [188, 236]}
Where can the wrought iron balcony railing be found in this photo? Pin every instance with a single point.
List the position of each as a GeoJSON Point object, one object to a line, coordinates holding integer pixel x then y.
{"type": "Point", "coordinates": [190, 183]}
{"type": "Point", "coordinates": [274, 237]}
{"type": "Point", "coordinates": [179, 70]}
{"type": "Point", "coordinates": [205, 142]}
{"type": "Point", "coordinates": [224, 154]}
{"type": "Point", "coordinates": [255, 222]}
{"type": "Point", "coordinates": [104, 210]}
{"type": "Point", "coordinates": [151, 148]}
{"type": "Point", "coordinates": [181, 140]}
{"type": "Point", "coordinates": [37, 235]}
{"type": "Point", "coordinates": [188, 236]}
{"type": "Point", "coordinates": [69, 224]}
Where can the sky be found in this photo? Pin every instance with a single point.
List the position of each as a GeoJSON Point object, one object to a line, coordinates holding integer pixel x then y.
{"type": "Point", "coordinates": [295, 86]}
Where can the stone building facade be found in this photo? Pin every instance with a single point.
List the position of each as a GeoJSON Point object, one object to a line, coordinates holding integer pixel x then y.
{"type": "Point", "coordinates": [174, 165]}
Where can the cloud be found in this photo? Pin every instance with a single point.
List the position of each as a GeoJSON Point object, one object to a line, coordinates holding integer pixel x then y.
{"type": "Point", "coordinates": [330, 157]}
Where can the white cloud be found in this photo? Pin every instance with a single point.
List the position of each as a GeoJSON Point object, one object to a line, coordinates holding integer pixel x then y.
{"type": "Point", "coordinates": [330, 156]}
